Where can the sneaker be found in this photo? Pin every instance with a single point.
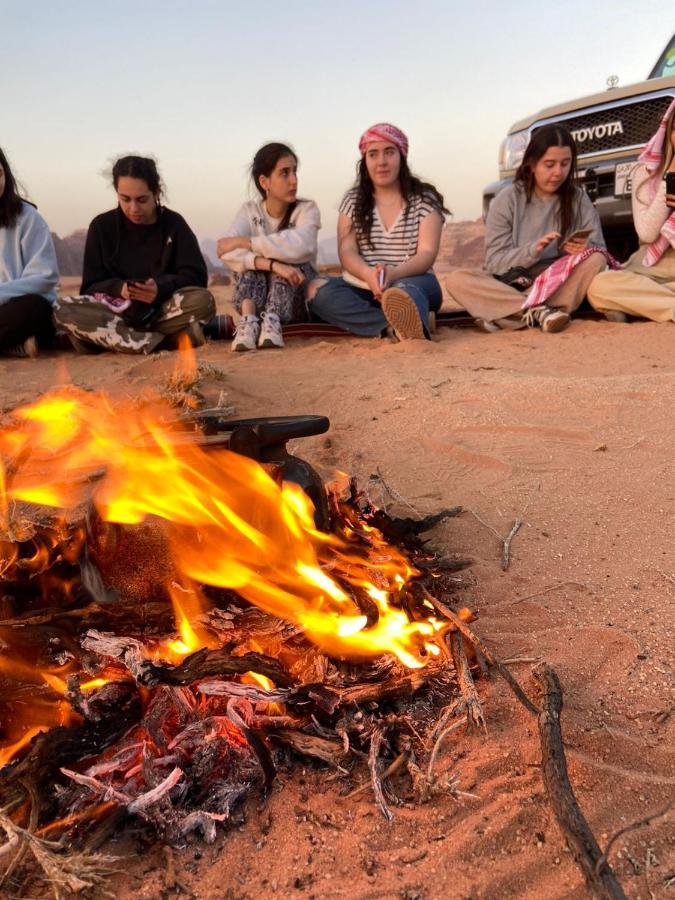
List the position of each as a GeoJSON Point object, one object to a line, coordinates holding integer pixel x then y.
{"type": "Point", "coordinates": [270, 331]}
{"type": "Point", "coordinates": [486, 325]}
{"type": "Point", "coordinates": [246, 335]}
{"type": "Point", "coordinates": [402, 314]}
{"type": "Point", "coordinates": [549, 320]}
{"type": "Point", "coordinates": [615, 315]}
{"type": "Point", "coordinates": [29, 349]}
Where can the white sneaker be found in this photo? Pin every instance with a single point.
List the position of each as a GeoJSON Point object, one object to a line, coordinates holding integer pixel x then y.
{"type": "Point", "coordinates": [270, 331]}
{"type": "Point", "coordinates": [246, 335]}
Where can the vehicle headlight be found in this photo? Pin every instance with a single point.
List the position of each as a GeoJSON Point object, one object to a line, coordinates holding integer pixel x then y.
{"type": "Point", "coordinates": [513, 150]}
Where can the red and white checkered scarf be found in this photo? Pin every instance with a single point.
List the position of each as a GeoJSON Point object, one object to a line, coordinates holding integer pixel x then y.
{"type": "Point", "coordinates": [383, 131]}
{"type": "Point", "coordinates": [557, 274]}
{"type": "Point", "coordinates": [651, 159]}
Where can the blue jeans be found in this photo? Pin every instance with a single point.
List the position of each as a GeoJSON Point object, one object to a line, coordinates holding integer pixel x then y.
{"type": "Point", "coordinates": [356, 309]}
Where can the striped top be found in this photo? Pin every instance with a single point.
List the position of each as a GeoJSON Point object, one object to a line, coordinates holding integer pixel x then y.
{"type": "Point", "coordinates": [395, 246]}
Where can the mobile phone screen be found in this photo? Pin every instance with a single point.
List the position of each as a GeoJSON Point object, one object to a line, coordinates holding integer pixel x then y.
{"type": "Point", "coordinates": [670, 183]}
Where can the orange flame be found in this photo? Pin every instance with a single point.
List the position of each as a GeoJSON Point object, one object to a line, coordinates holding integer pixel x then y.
{"type": "Point", "coordinates": [228, 523]}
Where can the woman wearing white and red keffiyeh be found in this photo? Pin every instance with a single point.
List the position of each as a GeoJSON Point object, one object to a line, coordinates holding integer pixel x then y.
{"type": "Point", "coordinates": [645, 287]}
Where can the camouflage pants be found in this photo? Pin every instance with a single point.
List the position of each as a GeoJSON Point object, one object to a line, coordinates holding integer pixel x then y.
{"type": "Point", "coordinates": [92, 321]}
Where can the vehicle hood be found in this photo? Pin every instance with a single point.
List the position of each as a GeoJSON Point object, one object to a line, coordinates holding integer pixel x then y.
{"type": "Point", "coordinates": [650, 86]}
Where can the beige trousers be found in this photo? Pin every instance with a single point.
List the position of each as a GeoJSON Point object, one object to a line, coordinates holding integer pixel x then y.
{"type": "Point", "coordinates": [484, 297]}
{"type": "Point", "coordinates": [637, 295]}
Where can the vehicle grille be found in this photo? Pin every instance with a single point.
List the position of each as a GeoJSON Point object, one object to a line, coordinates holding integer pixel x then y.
{"type": "Point", "coordinates": [638, 121]}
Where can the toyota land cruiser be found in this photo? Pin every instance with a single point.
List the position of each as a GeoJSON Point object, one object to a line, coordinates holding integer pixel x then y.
{"type": "Point", "coordinates": [610, 130]}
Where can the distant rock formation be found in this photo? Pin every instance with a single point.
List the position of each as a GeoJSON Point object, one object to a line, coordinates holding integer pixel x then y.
{"type": "Point", "coordinates": [70, 252]}
{"type": "Point", "coordinates": [462, 246]}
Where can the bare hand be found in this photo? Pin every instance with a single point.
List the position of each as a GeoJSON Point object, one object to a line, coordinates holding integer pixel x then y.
{"type": "Point", "coordinates": [575, 246]}
{"type": "Point", "coordinates": [670, 201]}
{"type": "Point", "coordinates": [291, 274]}
{"type": "Point", "coordinates": [143, 291]}
{"type": "Point", "coordinates": [544, 241]}
{"type": "Point", "coordinates": [227, 244]}
{"type": "Point", "coordinates": [124, 293]}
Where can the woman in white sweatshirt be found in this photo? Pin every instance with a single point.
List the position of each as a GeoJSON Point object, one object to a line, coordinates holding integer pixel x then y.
{"type": "Point", "coordinates": [28, 273]}
{"type": "Point", "coordinates": [645, 287]}
{"type": "Point", "coordinates": [272, 247]}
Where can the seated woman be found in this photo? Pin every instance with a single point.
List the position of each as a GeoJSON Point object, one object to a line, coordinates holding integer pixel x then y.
{"type": "Point", "coordinates": [389, 231]}
{"type": "Point", "coordinates": [28, 273]}
{"type": "Point", "coordinates": [144, 277]}
{"type": "Point", "coordinates": [646, 286]}
{"type": "Point", "coordinates": [272, 245]}
{"type": "Point", "coordinates": [542, 215]}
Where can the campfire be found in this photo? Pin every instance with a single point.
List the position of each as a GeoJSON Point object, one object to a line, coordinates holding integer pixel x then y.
{"type": "Point", "coordinates": [183, 605]}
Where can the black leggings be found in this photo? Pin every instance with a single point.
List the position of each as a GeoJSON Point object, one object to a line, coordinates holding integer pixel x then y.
{"type": "Point", "coordinates": [24, 317]}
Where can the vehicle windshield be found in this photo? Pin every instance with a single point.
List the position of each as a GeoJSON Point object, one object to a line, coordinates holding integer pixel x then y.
{"type": "Point", "coordinates": [666, 64]}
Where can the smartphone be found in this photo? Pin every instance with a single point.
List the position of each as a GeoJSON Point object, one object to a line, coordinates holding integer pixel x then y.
{"type": "Point", "coordinates": [580, 235]}
{"type": "Point", "coordinates": [380, 278]}
{"type": "Point", "coordinates": [670, 182]}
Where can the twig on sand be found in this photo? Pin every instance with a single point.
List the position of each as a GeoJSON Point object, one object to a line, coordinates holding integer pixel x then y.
{"type": "Point", "coordinates": [553, 587]}
{"type": "Point", "coordinates": [375, 743]}
{"type": "Point", "coordinates": [468, 701]}
{"type": "Point", "coordinates": [632, 826]}
{"type": "Point", "coordinates": [634, 444]}
{"type": "Point", "coordinates": [515, 528]}
{"type": "Point", "coordinates": [400, 761]}
{"type": "Point", "coordinates": [601, 880]}
{"type": "Point", "coordinates": [487, 653]}
{"type": "Point", "coordinates": [439, 740]}
{"type": "Point", "coordinates": [393, 493]}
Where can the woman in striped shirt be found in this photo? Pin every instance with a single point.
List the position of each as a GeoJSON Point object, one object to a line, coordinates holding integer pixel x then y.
{"type": "Point", "coordinates": [389, 231]}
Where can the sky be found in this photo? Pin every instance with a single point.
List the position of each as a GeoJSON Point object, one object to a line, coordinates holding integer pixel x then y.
{"type": "Point", "coordinates": [202, 85]}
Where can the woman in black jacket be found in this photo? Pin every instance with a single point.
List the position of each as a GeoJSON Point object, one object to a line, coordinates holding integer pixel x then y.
{"type": "Point", "coordinates": [144, 277]}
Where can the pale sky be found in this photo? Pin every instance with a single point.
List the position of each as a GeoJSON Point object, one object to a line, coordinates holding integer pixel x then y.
{"type": "Point", "coordinates": [202, 85]}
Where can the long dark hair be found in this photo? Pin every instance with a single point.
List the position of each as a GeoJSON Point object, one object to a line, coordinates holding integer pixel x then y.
{"type": "Point", "coordinates": [541, 140]}
{"type": "Point", "coordinates": [11, 200]}
{"type": "Point", "coordinates": [264, 163]}
{"type": "Point", "coordinates": [142, 167]}
{"type": "Point", "coordinates": [411, 186]}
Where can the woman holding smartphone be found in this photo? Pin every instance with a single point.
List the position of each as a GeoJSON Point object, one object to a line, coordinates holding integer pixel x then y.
{"type": "Point", "coordinates": [540, 217]}
{"type": "Point", "coordinates": [389, 232]}
{"type": "Point", "coordinates": [144, 277]}
{"type": "Point", "coordinates": [272, 246]}
{"type": "Point", "coordinates": [645, 287]}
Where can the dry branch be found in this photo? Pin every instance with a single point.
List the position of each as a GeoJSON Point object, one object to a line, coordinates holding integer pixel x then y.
{"type": "Point", "coordinates": [468, 702]}
{"type": "Point", "coordinates": [487, 653]}
{"type": "Point", "coordinates": [599, 877]}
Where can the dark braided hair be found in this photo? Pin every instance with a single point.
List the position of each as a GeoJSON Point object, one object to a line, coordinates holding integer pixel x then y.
{"type": "Point", "coordinates": [264, 163]}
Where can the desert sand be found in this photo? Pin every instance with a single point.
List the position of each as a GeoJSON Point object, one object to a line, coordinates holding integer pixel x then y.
{"type": "Point", "coordinates": [573, 433]}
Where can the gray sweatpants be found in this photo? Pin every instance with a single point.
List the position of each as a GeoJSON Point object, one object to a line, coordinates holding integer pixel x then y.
{"type": "Point", "coordinates": [94, 322]}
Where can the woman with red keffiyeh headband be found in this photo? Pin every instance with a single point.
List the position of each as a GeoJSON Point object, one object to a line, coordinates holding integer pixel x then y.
{"type": "Point", "coordinates": [389, 231]}
{"type": "Point", "coordinates": [645, 287]}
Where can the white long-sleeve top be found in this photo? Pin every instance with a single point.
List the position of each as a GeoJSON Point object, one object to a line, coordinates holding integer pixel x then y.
{"type": "Point", "coordinates": [649, 214]}
{"type": "Point", "coordinates": [295, 244]}
{"type": "Point", "coordinates": [27, 258]}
